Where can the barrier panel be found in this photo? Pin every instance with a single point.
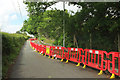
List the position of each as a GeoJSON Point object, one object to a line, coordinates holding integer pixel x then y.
{"type": "Point", "coordinates": [114, 63]}
{"type": "Point", "coordinates": [43, 49]}
{"type": "Point", "coordinates": [39, 48]}
{"type": "Point", "coordinates": [35, 46]}
{"type": "Point", "coordinates": [97, 59]}
{"type": "Point", "coordinates": [53, 52]}
{"type": "Point", "coordinates": [75, 55]}
{"type": "Point", "coordinates": [59, 52]}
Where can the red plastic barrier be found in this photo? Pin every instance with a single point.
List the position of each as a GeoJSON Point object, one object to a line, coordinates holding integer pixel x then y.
{"type": "Point", "coordinates": [95, 59]}
{"type": "Point", "coordinates": [35, 46]}
{"type": "Point", "coordinates": [32, 44]}
{"type": "Point", "coordinates": [39, 48]}
{"type": "Point", "coordinates": [43, 49]}
{"type": "Point", "coordinates": [98, 59]}
{"type": "Point", "coordinates": [75, 54]}
{"type": "Point", "coordinates": [53, 51]}
{"type": "Point", "coordinates": [114, 63]}
{"type": "Point", "coordinates": [119, 64]}
{"type": "Point", "coordinates": [59, 52]}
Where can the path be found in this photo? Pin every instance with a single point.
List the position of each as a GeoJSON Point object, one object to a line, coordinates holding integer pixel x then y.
{"type": "Point", "coordinates": [30, 64]}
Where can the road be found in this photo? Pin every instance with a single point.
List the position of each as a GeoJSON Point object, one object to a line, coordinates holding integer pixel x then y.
{"type": "Point", "coordinates": [30, 64]}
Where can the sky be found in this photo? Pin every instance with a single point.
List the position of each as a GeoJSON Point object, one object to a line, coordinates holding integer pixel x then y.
{"type": "Point", "coordinates": [13, 13]}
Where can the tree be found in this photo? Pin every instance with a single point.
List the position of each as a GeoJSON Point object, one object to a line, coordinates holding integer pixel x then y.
{"type": "Point", "coordinates": [96, 26]}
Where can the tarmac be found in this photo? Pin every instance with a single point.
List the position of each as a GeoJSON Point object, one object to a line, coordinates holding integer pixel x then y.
{"type": "Point", "coordinates": [30, 64]}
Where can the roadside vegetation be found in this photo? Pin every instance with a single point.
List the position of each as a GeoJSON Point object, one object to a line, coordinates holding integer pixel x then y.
{"type": "Point", "coordinates": [46, 40]}
{"type": "Point", "coordinates": [11, 46]}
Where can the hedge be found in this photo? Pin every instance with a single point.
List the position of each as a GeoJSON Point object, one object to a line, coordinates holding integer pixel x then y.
{"type": "Point", "coordinates": [11, 46]}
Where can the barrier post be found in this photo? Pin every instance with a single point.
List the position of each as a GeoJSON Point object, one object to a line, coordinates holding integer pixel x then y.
{"type": "Point", "coordinates": [79, 57]}
{"type": "Point", "coordinates": [52, 52]}
{"type": "Point", "coordinates": [67, 55]}
{"type": "Point", "coordinates": [85, 57]}
{"type": "Point", "coordinates": [43, 49]}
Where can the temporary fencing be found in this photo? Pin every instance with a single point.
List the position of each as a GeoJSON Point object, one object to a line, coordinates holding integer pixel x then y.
{"type": "Point", "coordinates": [31, 39]}
{"type": "Point", "coordinates": [75, 55]}
{"type": "Point", "coordinates": [114, 63]}
{"type": "Point", "coordinates": [58, 52]}
{"type": "Point", "coordinates": [97, 59]}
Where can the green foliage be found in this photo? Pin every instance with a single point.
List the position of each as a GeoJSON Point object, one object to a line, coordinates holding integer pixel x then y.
{"type": "Point", "coordinates": [42, 38]}
{"type": "Point", "coordinates": [96, 26]}
{"type": "Point", "coordinates": [11, 45]}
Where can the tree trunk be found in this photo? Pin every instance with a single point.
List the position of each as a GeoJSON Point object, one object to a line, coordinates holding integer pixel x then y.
{"type": "Point", "coordinates": [75, 41]}
{"type": "Point", "coordinates": [119, 41]}
{"type": "Point", "coordinates": [90, 41]}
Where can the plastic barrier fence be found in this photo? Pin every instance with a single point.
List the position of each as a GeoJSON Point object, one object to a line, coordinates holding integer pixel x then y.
{"type": "Point", "coordinates": [97, 59]}
{"type": "Point", "coordinates": [59, 52]}
{"type": "Point", "coordinates": [114, 63]}
{"type": "Point", "coordinates": [43, 50]}
{"type": "Point", "coordinates": [39, 48]}
{"type": "Point", "coordinates": [75, 55]}
{"type": "Point", "coordinates": [53, 54]}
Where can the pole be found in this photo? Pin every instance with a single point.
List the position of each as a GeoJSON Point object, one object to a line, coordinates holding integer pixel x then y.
{"type": "Point", "coordinates": [63, 24]}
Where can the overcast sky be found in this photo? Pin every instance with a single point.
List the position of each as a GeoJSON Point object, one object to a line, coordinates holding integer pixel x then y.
{"type": "Point", "coordinates": [10, 18]}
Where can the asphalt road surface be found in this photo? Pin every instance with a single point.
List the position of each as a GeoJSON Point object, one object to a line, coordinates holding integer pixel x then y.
{"type": "Point", "coordinates": [30, 64]}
